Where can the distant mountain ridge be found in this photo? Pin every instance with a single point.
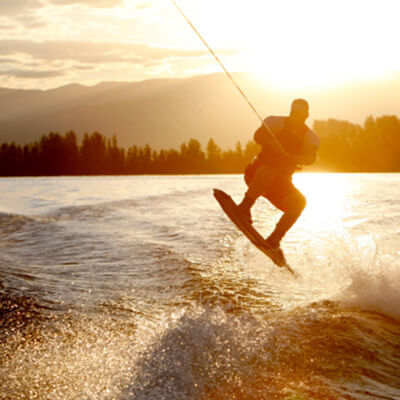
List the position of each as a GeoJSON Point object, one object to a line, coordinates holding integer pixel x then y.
{"type": "Point", "coordinates": [166, 112]}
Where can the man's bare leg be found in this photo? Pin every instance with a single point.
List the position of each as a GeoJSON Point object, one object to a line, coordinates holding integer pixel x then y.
{"type": "Point", "coordinates": [293, 205]}
{"type": "Point", "coordinates": [263, 180]}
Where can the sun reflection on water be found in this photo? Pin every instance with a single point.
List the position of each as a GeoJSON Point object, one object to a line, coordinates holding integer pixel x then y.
{"type": "Point", "coordinates": [327, 199]}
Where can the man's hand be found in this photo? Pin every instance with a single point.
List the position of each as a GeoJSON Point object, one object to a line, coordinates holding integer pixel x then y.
{"type": "Point", "coordinates": [265, 139]}
{"type": "Point", "coordinates": [308, 157]}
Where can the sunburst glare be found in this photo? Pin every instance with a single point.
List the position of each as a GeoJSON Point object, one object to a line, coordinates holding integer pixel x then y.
{"type": "Point", "coordinates": [327, 197]}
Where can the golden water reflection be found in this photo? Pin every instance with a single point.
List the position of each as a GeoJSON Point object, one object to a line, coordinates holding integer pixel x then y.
{"type": "Point", "coordinates": [327, 197]}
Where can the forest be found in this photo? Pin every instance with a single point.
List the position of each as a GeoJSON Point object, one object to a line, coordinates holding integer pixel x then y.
{"type": "Point", "coordinates": [345, 147]}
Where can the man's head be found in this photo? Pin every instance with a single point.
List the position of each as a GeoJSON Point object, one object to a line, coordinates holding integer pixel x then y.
{"type": "Point", "coordinates": [299, 111]}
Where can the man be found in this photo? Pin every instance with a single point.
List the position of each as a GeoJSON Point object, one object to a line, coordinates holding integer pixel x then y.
{"type": "Point", "coordinates": [270, 173]}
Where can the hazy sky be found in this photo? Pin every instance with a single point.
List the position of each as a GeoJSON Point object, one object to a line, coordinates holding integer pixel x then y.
{"type": "Point", "coordinates": [290, 43]}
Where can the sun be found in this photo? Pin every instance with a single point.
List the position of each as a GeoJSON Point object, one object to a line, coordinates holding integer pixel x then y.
{"type": "Point", "coordinates": [288, 77]}
{"type": "Point", "coordinates": [303, 45]}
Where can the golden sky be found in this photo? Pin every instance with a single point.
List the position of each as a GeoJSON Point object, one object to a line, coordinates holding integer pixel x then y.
{"type": "Point", "coordinates": [287, 43]}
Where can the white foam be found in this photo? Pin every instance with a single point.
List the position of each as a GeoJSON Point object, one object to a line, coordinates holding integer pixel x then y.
{"type": "Point", "coordinates": [359, 272]}
{"type": "Point", "coordinates": [375, 285]}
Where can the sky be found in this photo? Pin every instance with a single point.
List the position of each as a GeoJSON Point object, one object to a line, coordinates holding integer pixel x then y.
{"type": "Point", "coordinates": [287, 43]}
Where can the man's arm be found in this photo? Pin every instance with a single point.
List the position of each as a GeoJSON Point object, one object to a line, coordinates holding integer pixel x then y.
{"type": "Point", "coordinates": [308, 155]}
{"type": "Point", "coordinates": [309, 151]}
{"type": "Point", "coordinates": [264, 137]}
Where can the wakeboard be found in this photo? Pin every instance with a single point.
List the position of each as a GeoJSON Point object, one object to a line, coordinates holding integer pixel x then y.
{"type": "Point", "coordinates": [231, 210]}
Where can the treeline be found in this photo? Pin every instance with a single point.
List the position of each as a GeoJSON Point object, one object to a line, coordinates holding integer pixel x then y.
{"type": "Point", "coordinates": [347, 147]}
{"type": "Point", "coordinates": [373, 147]}
{"type": "Point", "coordinates": [57, 154]}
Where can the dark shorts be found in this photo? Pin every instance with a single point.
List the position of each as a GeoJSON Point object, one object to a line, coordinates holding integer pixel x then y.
{"type": "Point", "coordinates": [280, 190]}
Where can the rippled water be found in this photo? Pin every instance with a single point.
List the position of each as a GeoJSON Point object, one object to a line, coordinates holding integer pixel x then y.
{"type": "Point", "coordinates": [141, 288]}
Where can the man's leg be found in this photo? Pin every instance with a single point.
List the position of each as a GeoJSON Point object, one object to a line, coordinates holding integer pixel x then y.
{"type": "Point", "coordinates": [292, 205]}
{"type": "Point", "coordinates": [262, 181]}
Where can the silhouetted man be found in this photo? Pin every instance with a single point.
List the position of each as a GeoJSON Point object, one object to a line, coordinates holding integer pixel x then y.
{"type": "Point", "coordinates": [270, 173]}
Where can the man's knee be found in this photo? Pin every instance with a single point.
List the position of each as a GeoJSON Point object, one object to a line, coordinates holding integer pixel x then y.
{"type": "Point", "coordinates": [302, 202]}
{"type": "Point", "coordinates": [262, 181]}
{"type": "Point", "coordinates": [295, 203]}
{"type": "Point", "coordinates": [265, 174]}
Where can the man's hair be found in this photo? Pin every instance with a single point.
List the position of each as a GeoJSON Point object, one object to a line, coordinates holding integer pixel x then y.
{"type": "Point", "coordinates": [299, 102]}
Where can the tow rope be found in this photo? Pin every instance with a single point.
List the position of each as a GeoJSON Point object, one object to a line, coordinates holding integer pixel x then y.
{"type": "Point", "coordinates": [230, 77]}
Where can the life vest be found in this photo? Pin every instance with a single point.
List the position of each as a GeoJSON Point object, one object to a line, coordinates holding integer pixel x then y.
{"type": "Point", "coordinates": [293, 144]}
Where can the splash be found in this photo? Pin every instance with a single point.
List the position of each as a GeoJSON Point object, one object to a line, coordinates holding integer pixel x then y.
{"type": "Point", "coordinates": [72, 356]}
{"type": "Point", "coordinates": [361, 271]}
{"type": "Point", "coordinates": [208, 354]}
{"type": "Point", "coordinates": [375, 279]}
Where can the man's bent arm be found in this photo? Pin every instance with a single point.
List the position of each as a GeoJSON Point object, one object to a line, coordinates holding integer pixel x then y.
{"type": "Point", "coordinates": [264, 138]}
{"type": "Point", "coordinates": [308, 156]}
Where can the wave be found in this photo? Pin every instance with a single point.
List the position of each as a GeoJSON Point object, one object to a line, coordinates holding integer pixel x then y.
{"type": "Point", "coordinates": [372, 273]}
{"type": "Point", "coordinates": [226, 334]}
{"type": "Point", "coordinates": [375, 290]}
{"type": "Point", "coordinates": [320, 352]}
{"type": "Point", "coordinates": [70, 355]}
{"type": "Point", "coordinates": [10, 222]}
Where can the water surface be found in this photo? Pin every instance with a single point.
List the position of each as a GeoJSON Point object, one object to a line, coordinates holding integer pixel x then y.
{"type": "Point", "coordinates": [141, 288]}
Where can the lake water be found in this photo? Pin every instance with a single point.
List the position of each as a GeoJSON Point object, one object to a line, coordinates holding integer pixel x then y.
{"type": "Point", "coordinates": [139, 287]}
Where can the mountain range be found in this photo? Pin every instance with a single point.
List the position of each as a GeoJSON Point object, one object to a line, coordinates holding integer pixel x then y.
{"type": "Point", "coordinates": [166, 112]}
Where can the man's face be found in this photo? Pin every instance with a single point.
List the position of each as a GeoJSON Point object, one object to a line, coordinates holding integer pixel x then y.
{"type": "Point", "coordinates": [299, 113]}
